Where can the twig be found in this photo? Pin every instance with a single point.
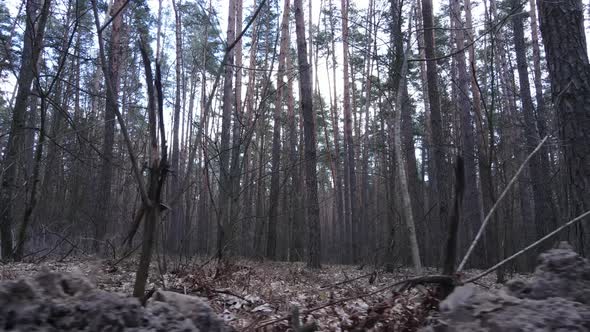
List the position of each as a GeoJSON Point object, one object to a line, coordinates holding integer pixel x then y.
{"type": "Point", "coordinates": [346, 281]}
{"type": "Point", "coordinates": [496, 204]}
{"type": "Point", "coordinates": [529, 247]}
{"type": "Point", "coordinates": [230, 293]}
{"type": "Point", "coordinates": [106, 24]}
{"type": "Point", "coordinates": [66, 255]}
{"type": "Point", "coordinates": [34, 252]}
{"type": "Point", "coordinates": [125, 255]}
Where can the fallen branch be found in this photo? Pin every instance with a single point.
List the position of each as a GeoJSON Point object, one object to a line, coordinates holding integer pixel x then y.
{"type": "Point", "coordinates": [496, 204]}
{"type": "Point", "coordinates": [406, 284]}
{"type": "Point", "coordinates": [531, 246]}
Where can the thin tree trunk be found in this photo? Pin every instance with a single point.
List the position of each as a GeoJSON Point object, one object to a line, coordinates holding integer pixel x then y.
{"type": "Point", "coordinates": [175, 231]}
{"type": "Point", "coordinates": [249, 159]}
{"type": "Point", "coordinates": [368, 233]}
{"type": "Point", "coordinates": [271, 243]}
{"type": "Point", "coordinates": [349, 162]}
{"type": "Point", "coordinates": [342, 225]}
{"type": "Point", "coordinates": [296, 229]}
{"type": "Point", "coordinates": [224, 148]}
{"type": "Point", "coordinates": [235, 168]}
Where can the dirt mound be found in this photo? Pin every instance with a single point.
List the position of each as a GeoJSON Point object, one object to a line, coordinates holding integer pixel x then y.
{"type": "Point", "coordinates": [556, 298]}
{"type": "Point", "coordinates": [65, 302]}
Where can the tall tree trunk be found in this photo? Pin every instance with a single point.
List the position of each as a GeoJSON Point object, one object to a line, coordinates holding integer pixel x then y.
{"type": "Point", "coordinates": [431, 256]}
{"type": "Point", "coordinates": [224, 147]}
{"type": "Point", "coordinates": [472, 213]}
{"type": "Point", "coordinates": [542, 202]}
{"type": "Point", "coordinates": [343, 226]}
{"type": "Point", "coordinates": [402, 168]}
{"type": "Point", "coordinates": [296, 220]}
{"type": "Point", "coordinates": [305, 93]}
{"type": "Point", "coordinates": [562, 28]}
{"type": "Point", "coordinates": [175, 239]}
{"type": "Point", "coordinates": [103, 204]}
{"type": "Point", "coordinates": [351, 213]}
{"type": "Point", "coordinates": [198, 146]}
{"type": "Point", "coordinates": [368, 233]}
{"type": "Point", "coordinates": [158, 171]}
{"type": "Point", "coordinates": [248, 161]}
{"type": "Point", "coordinates": [259, 242]}
{"type": "Point", "coordinates": [480, 137]}
{"type": "Point", "coordinates": [32, 199]}
{"type": "Point", "coordinates": [437, 163]}
{"type": "Point", "coordinates": [271, 243]}
{"type": "Point", "coordinates": [36, 21]}
{"type": "Point", "coordinates": [541, 117]}
{"type": "Point", "coordinates": [235, 168]}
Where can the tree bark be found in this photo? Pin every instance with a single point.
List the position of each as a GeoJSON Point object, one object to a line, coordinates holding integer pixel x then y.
{"type": "Point", "coordinates": [562, 28]}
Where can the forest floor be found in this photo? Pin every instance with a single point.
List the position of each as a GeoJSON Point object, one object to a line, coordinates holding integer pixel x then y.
{"type": "Point", "coordinates": [249, 295]}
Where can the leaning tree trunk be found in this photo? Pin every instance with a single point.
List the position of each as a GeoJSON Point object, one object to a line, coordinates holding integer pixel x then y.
{"type": "Point", "coordinates": [562, 28]}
